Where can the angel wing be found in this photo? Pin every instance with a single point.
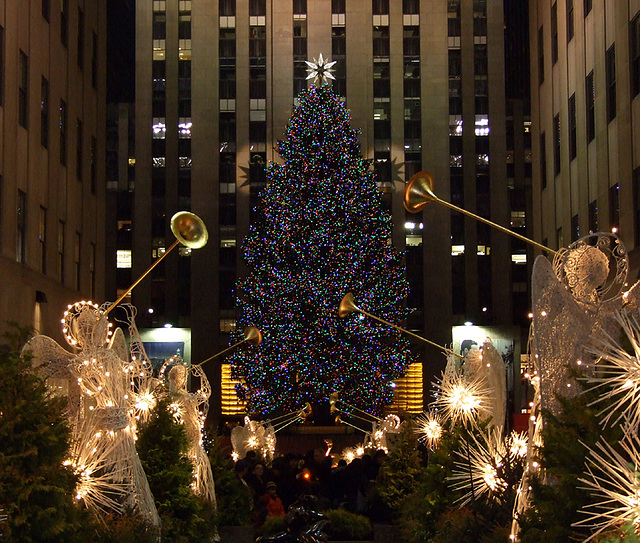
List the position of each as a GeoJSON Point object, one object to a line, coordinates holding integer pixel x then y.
{"type": "Point", "coordinates": [561, 328]}
{"type": "Point", "coordinates": [52, 359]}
{"type": "Point", "coordinates": [118, 344]}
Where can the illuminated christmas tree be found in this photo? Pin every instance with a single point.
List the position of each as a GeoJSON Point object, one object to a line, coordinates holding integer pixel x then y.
{"type": "Point", "coordinates": [320, 232]}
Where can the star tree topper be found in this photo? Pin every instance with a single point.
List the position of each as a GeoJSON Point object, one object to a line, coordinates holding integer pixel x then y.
{"type": "Point", "coordinates": [320, 69]}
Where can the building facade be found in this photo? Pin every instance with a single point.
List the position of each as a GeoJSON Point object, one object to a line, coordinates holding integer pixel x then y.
{"type": "Point", "coordinates": [585, 78]}
{"type": "Point", "coordinates": [52, 180]}
{"type": "Point", "coordinates": [216, 83]}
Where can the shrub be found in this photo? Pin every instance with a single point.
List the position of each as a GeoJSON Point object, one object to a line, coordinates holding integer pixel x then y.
{"type": "Point", "coordinates": [345, 525]}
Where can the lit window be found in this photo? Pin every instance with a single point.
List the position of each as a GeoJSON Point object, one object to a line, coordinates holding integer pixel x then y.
{"type": "Point", "coordinates": [123, 259]}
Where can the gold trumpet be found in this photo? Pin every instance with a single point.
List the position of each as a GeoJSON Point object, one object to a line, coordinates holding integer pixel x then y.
{"type": "Point", "coordinates": [252, 336]}
{"type": "Point", "coordinates": [419, 192]}
{"type": "Point", "coordinates": [189, 229]}
{"type": "Point", "coordinates": [348, 306]}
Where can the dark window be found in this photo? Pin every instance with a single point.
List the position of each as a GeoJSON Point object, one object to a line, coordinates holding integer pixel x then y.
{"type": "Point", "coordinates": [636, 206]}
{"type": "Point", "coordinates": [299, 6]}
{"type": "Point", "coordinates": [572, 127]}
{"type": "Point", "coordinates": [411, 41]}
{"type": "Point", "coordinates": [159, 30]}
{"type": "Point", "coordinates": [80, 38]}
{"type": "Point", "coordinates": [610, 68]}
{"type": "Point", "coordinates": [554, 33]}
{"type": "Point", "coordinates": [479, 26]}
{"type": "Point", "coordinates": [337, 6]}
{"type": "Point", "coordinates": [94, 59]}
{"type": "Point", "coordinates": [411, 7]}
{"type": "Point", "coordinates": [61, 244]}
{"type": "Point", "coordinates": [257, 7]}
{"type": "Point", "coordinates": [588, 4]}
{"type": "Point", "coordinates": [380, 7]}
{"type": "Point", "coordinates": [64, 22]}
{"type": "Point", "coordinates": [23, 90]}
{"type": "Point", "coordinates": [575, 228]}
{"type": "Point", "coordinates": [94, 164]}
{"type": "Point", "coordinates": [184, 25]}
{"type": "Point", "coordinates": [44, 112]}
{"type": "Point", "coordinates": [614, 207]}
{"type": "Point", "coordinates": [227, 43]}
{"type": "Point", "coordinates": [634, 54]}
{"type": "Point", "coordinates": [543, 160]}
{"type": "Point", "coordinates": [63, 132]}
{"type": "Point", "coordinates": [569, 20]}
{"type": "Point", "coordinates": [227, 83]}
{"type": "Point", "coordinates": [381, 41]}
{"type": "Point", "coordinates": [46, 9]}
{"type": "Point", "coordinates": [540, 56]}
{"type": "Point", "coordinates": [593, 216]}
{"type": "Point", "coordinates": [21, 227]}
{"type": "Point", "coordinates": [556, 144]}
{"type": "Point", "coordinates": [42, 238]}
{"type": "Point", "coordinates": [79, 150]}
{"type": "Point", "coordinates": [480, 61]}
{"type": "Point", "coordinates": [76, 257]}
{"type": "Point", "coordinates": [227, 8]}
{"type": "Point", "coordinates": [590, 95]}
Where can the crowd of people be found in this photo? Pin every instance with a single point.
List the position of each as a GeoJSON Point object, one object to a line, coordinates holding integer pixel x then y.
{"type": "Point", "coordinates": [274, 488]}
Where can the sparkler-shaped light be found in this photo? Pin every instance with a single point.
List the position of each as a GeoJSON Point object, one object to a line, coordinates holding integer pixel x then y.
{"type": "Point", "coordinates": [618, 373]}
{"type": "Point", "coordinates": [483, 470]}
{"type": "Point", "coordinates": [614, 480]}
{"type": "Point", "coordinates": [429, 428]}
{"type": "Point", "coordinates": [461, 398]}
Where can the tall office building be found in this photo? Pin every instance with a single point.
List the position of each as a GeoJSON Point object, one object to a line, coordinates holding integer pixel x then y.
{"type": "Point", "coordinates": [52, 186]}
{"type": "Point", "coordinates": [585, 73]}
{"type": "Point", "coordinates": [216, 83]}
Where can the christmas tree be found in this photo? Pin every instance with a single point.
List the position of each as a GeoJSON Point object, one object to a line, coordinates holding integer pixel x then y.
{"type": "Point", "coordinates": [320, 232]}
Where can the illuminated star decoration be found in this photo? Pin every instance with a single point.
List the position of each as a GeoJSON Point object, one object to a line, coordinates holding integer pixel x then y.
{"type": "Point", "coordinates": [488, 467]}
{"type": "Point", "coordinates": [618, 372]}
{"type": "Point", "coordinates": [429, 428]}
{"type": "Point", "coordinates": [460, 398]}
{"type": "Point", "coordinates": [320, 70]}
{"type": "Point", "coordinates": [614, 481]}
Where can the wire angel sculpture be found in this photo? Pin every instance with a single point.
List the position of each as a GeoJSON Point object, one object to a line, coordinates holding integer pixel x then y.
{"type": "Point", "coordinates": [253, 436]}
{"type": "Point", "coordinates": [383, 433]}
{"type": "Point", "coordinates": [103, 454]}
{"type": "Point", "coordinates": [190, 409]}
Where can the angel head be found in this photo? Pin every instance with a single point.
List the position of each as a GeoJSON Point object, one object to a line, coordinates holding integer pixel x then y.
{"type": "Point", "coordinates": [85, 326]}
{"type": "Point", "coordinates": [586, 268]}
{"type": "Point", "coordinates": [178, 377]}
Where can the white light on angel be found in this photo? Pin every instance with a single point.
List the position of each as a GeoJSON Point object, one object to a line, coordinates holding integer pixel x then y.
{"type": "Point", "coordinates": [614, 481]}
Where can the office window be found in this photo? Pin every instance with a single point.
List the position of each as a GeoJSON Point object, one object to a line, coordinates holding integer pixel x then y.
{"type": "Point", "coordinates": [572, 127]}
{"type": "Point", "coordinates": [588, 4]}
{"type": "Point", "coordinates": [590, 95]}
{"type": "Point", "coordinates": [614, 207]}
{"type": "Point", "coordinates": [556, 144]}
{"type": "Point", "coordinates": [554, 33]}
{"type": "Point", "coordinates": [227, 8]}
{"type": "Point", "coordinates": [543, 160]}
{"type": "Point", "coordinates": [634, 54]}
{"type": "Point", "coordinates": [42, 238]}
{"type": "Point", "coordinates": [411, 7]}
{"type": "Point", "coordinates": [540, 56]}
{"type": "Point", "coordinates": [64, 22]}
{"type": "Point", "coordinates": [23, 89]}
{"type": "Point", "coordinates": [575, 228]}
{"type": "Point", "coordinates": [94, 164]}
{"type": "Point", "coordinates": [80, 38]}
{"type": "Point", "coordinates": [299, 6]}
{"type": "Point", "coordinates": [46, 9]}
{"type": "Point", "coordinates": [44, 112]}
{"type": "Point", "coordinates": [559, 238]}
{"type": "Point", "coordinates": [593, 216]}
{"type": "Point", "coordinates": [92, 270]}
{"type": "Point", "coordinates": [94, 59]}
{"type": "Point", "coordinates": [258, 8]}
{"type": "Point", "coordinates": [570, 29]}
{"type": "Point", "coordinates": [380, 7]}
{"type": "Point", "coordinates": [610, 69]}
{"type": "Point", "coordinates": [21, 227]}
{"type": "Point", "coordinates": [79, 150]}
{"type": "Point", "coordinates": [76, 258]}
{"type": "Point", "coordinates": [63, 132]}
{"type": "Point", "coordinates": [61, 243]}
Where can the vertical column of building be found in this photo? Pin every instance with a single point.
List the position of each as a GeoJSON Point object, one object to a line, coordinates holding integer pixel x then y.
{"type": "Point", "coordinates": [412, 139]}
{"type": "Point", "coordinates": [300, 47]}
{"type": "Point", "coordinates": [339, 47]}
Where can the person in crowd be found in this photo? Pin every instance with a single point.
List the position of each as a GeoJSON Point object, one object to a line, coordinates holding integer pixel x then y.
{"type": "Point", "coordinates": [272, 501]}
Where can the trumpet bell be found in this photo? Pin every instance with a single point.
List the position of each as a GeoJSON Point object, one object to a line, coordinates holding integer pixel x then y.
{"type": "Point", "coordinates": [189, 229]}
{"type": "Point", "coordinates": [252, 335]}
{"type": "Point", "coordinates": [347, 305]}
{"type": "Point", "coordinates": [419, 192]}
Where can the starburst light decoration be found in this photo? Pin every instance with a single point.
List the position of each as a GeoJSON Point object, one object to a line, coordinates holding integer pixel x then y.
{"type": "Point", "coordinates": [617, 374]}
{"type": "Point", "coordinates": [613, 478]}
{"type": "Point", "coordinates": [487, 467]}
{"type": "Point", "coordinates": [429, 428]}
{"type": "Point", "coordinates": [349, 454]}
{"type": "Point", "coordinates": [320, 70]}
{"type": "Point", "coordinates": [460, 397]}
